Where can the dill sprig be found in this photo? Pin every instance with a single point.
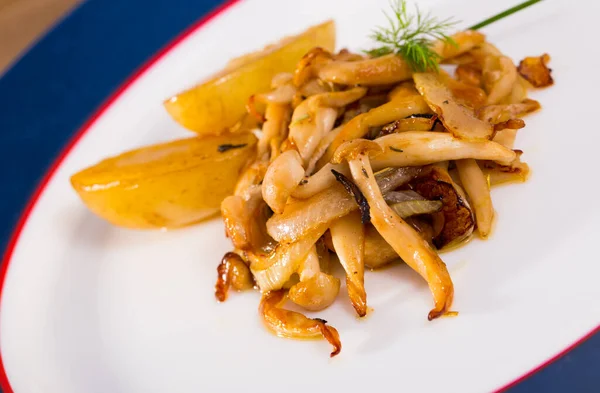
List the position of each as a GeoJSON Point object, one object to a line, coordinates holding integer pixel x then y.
{"type": "Point", "coordinates": [411, 36]}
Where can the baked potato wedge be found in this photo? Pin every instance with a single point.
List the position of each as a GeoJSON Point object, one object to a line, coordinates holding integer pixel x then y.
{"type": "Point", "coordinates": [220, 102]}
{"type": "Point", "coordinates": [165, 185]}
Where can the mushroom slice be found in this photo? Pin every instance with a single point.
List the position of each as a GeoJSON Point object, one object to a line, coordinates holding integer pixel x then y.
{"type": "Point", "coordinates": [316, 290]}
{"type": "Point", "coordinates": [274, 129]}
{"type": "Point", "coordinates": [382, 70]}
{"type": "Point", "coordinates": [309, 65]}
{"type": "Point", "coordinates": [347, 234]}
{"type": "Point", "coordinates": [320, 181]}
{"type": "Point", "coordinates": [403, 238]}
{"type": "Point", "coordinates": [478, 190]}
{"type": "Point", "coordinates": [495, 114]}
{"type": "Point", "coordinates": [417, 148]}
{"type": "Point", "coordinates": [245, 218]}
{"type": "Point", "coordinates": [315, 293]}
{"type": "Point", "coordinates": [321, 149]}
{"type": "Point", "coordinates": [232, 271]}
{"type": "Point", "coordinates": [291, 324]}
{"type": "Point", "coordinates": [458, 119]}
{"type": "Point", "coordinates": [464, 41]}
{"type": "Point", "coordinates": [281, 179]}
{"type": "Point", "coordinates": [468, 95]}
{"type": "Point", "coordinates": [315, 117]}
{"type": "Point", "coordinates": [398, 108]}
{"type": "Point", "coordinates": [498, 78]}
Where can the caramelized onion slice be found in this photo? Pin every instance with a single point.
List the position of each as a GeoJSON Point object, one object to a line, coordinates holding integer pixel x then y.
{"type": "Point", "coordinates": [303, 216]}
{"type": "Point", "coordinates": [402, 196]}
{"type": "Point", "coordinates": [457, 119]}
{"type": "Point", "coordinates": [272, 271]}
{"type": "Point", "coordinates": [413, 208]}
{"type": "Point", "coordinates": [391, 178]}
{"type": "Point", "coordinates": [458, 222]}
{"type": "Point", "coordinates": [535, 70]}
{"type": "Point", "coordinates": [291, 324]}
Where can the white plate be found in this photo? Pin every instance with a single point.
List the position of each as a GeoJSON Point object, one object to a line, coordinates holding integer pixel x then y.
{"type": "Point", "coordinates": [87, 307]}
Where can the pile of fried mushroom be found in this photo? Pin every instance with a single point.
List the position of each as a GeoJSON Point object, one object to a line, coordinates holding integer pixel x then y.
{"type": "Point", "coordinates": [362, 161]}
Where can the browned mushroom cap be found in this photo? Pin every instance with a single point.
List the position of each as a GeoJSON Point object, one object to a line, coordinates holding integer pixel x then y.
{"type": "Point", "coordinates": [351, 149]}
{"type": "Point", "coordinates": [458, 217]}
{"type": "Point", "coordinates": [232, 271]}
{"type": "Point", "coordinates": [536, 71]}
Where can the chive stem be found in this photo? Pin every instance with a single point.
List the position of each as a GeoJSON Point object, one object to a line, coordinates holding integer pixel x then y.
{"type": "Point", "coordinates": [503, 14]}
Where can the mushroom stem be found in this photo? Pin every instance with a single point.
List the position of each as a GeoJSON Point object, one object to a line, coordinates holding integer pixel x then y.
{"type": "Point", "coordinates": [409, 245]}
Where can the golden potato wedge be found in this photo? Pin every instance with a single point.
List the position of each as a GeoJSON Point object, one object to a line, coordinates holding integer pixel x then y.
{"type": "Point", "coordinates": [166, 185]}
{"type": "Point", "coordinates": [218, 103]}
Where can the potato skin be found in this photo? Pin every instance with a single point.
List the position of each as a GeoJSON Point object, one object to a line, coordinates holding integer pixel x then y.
{"type": "Point", "coordinates": [165, 185]}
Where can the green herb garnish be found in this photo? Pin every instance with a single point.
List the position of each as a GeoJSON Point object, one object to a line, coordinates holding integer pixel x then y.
{"type": "Point", "coordinates": [411, 36]}
{"type": "Point", "coordinates": [503, 14]}
{"type": "Point", "coordinates": [396, 149]}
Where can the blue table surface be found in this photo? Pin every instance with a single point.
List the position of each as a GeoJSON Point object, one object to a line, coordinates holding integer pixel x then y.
{"type": "Point", "coordinates": [51, 91]}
